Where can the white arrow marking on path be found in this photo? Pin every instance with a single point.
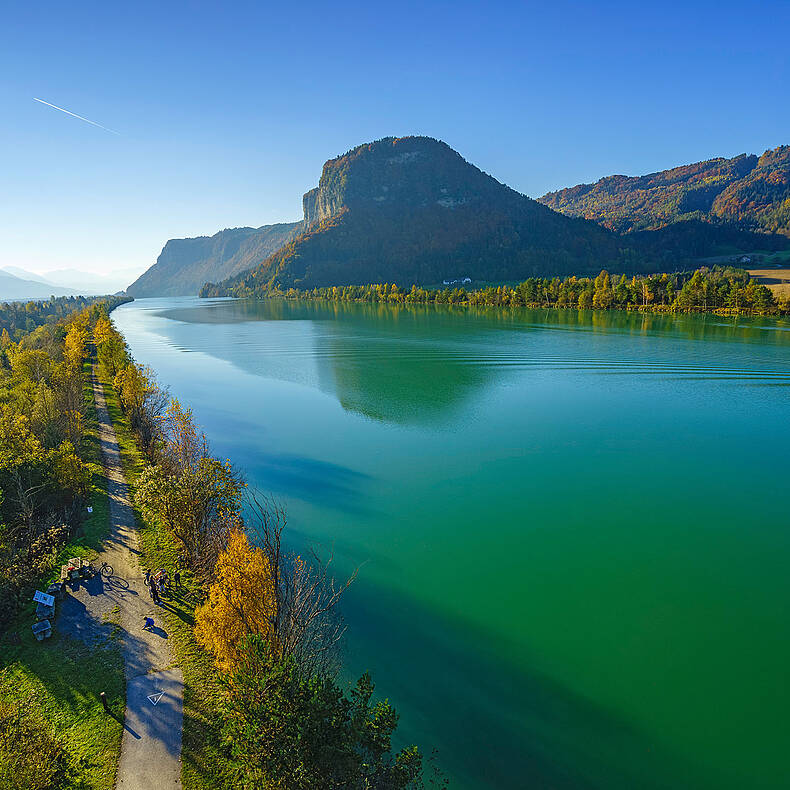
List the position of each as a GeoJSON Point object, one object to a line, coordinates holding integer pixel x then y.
{"type": "Point", "coordinates": [154, 698]}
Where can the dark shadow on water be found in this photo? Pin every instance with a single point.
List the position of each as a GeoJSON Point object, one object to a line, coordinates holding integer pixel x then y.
{"type": "Point", "coordinates": [308, 479]}
{"type": "Point", "coordinates": [496, 725]}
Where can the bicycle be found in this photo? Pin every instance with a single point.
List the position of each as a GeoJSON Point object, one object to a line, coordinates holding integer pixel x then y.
{"type": "Point", "coordinates": [88, 570]}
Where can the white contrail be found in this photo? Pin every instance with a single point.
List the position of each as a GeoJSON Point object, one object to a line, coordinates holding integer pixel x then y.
{"type": "Point", "coordinates": [68, 112]}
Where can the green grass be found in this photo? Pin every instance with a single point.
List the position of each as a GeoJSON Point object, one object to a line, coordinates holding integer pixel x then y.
{"type": "Point", "coordinates": [759, 259]}
{"type": "Point", "coordinates": [781, 258]}
{"type": "Point", "coordinates": [58, 680]}
{"type": "Point", "coordinates": [203, 764]}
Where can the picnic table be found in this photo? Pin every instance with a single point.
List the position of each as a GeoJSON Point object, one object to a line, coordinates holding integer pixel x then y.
{"type": "Point", "coordinates": [42, 630]}
{"type": "Point", "coordinates": [44, 612]}
{"type": "Point", "coordinates": [73, 569]}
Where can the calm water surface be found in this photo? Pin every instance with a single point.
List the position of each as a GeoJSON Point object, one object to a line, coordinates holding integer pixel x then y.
{"type": "Point", "coordinates": [572, 527]}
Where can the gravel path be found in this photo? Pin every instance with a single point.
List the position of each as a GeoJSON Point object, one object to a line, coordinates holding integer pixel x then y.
{"type": "Point", "coordinates": [151, 744]}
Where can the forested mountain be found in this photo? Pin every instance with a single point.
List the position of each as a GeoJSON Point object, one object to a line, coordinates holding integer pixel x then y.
{"type": "Point", "coordinates": [749, 192]}
{"type": "Point", "coordinates": [185, 264]}
{"type": "Point", "coordinates": [412, 210]}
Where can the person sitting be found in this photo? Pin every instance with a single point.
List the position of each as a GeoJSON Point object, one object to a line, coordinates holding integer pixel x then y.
{"type": "Point", "coordinates": [149, 624]}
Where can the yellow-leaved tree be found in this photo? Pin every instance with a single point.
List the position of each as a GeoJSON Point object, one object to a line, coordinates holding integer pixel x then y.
{"type": "Point", "coordinates": [75, 347]}
{"type": "Point", "coordinates": [240, 602]}
{"type": "Point", "coordinates": [143, 400]}
{"type": "Point", "coordinates": [111, 349]}
{"type": "Point", "coordinates": [103, 330]}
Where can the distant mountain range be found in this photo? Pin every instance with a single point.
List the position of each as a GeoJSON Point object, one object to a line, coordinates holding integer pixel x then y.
{"type": "Point", "coordinates": [185, 264]}
{"type": "Point", "coordinates": [14, 289]}
{"type": "Point", "coordinates": [750, 192]}
{"type": "Point", "coordinates": [17, 283]}
{"type": "Point", "coordinates": [412, 210]}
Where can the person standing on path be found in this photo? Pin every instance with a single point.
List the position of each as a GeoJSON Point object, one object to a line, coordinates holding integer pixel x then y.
{"type": "Point", "coordinates": [154, 593]}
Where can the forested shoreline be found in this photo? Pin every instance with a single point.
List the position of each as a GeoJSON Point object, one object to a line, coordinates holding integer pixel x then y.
{"type": "Point", "coordinates": [20, 318]}
{"type": "Point", "coordinates": [716, 289]}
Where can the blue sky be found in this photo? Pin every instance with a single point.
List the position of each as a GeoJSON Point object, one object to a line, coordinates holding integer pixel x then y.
{"type": "Point", "coordinates": [226, 112]}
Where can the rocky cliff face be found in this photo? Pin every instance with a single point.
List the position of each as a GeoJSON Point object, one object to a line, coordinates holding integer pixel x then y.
{"type": "Point", "coordinates": [319, 205]}
{"type": "Point", "coordinates": [185, 264]}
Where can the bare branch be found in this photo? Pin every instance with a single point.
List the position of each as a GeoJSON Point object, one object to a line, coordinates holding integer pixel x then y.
{"type": "Point", "coordinates": [307, 625]}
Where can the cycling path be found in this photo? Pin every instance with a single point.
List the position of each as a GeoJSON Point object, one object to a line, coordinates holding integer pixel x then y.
{"type": "Point", "coordinates": [101, 607]}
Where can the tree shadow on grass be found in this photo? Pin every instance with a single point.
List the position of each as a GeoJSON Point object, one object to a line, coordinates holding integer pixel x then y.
{"type": "Point", "coordinates": [202, 754]}
{"type": "Point", "coordinates": [93, 530]}
{"type": "Point", "coordinates": [179, 609]}
{"type": "Point", "coordinates": [72, 672]}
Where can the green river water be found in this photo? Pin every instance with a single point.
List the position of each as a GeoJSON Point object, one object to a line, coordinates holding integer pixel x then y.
{"type": "Point", "coordinates": [572, 527]}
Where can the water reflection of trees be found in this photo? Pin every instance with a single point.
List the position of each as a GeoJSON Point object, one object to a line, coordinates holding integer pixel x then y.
{"type": "Point", "coordinates": [418, 364]}
{"type": "Point", "coordinates": [769, 330]}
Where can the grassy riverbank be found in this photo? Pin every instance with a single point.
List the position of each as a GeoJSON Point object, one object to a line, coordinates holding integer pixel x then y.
{"type": "Point", "coordinates": [57, 681]}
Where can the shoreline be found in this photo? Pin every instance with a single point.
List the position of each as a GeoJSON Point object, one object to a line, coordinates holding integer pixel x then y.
{"type": "Point", "coordinates": [659, 310]}
{"type": "Point", "coordinates": [720, 290]}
